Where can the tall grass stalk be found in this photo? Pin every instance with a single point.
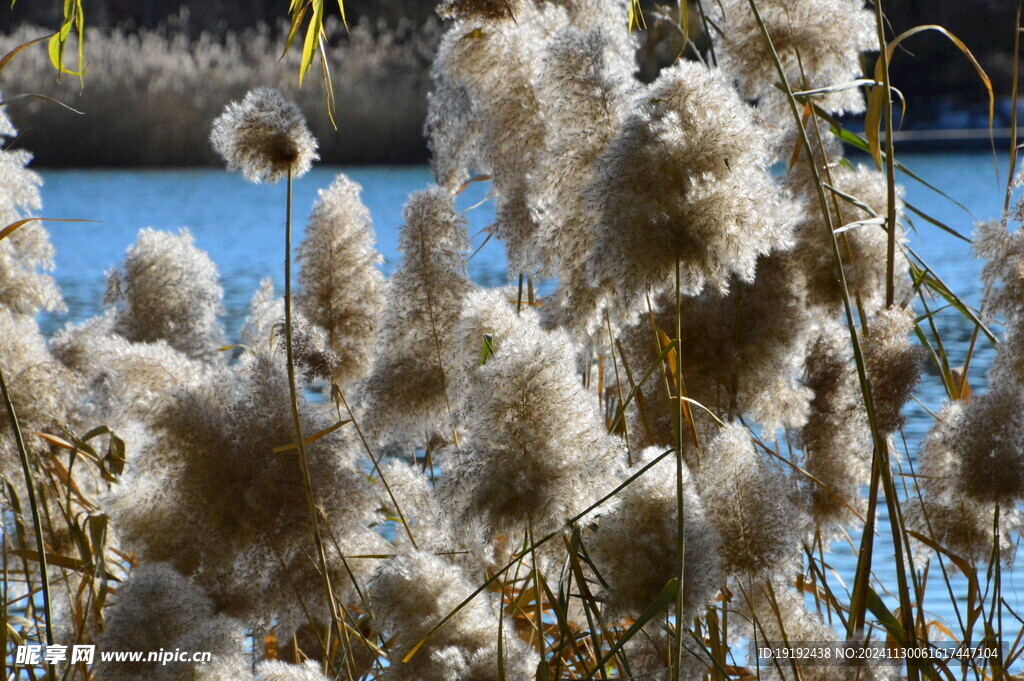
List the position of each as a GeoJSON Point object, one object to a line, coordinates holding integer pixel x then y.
{"type": "Point", "coordinates": [293, 396]}
{"type": "Point", "coordinates": [37, 525]}
{"type": "Point", "coordinates": [890, 167]}
{"type": "Point", "coordinates": [681, 523]}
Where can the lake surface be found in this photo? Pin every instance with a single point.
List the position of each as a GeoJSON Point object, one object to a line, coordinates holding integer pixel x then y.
{"type": "Point", "coordinates": [240, 225]}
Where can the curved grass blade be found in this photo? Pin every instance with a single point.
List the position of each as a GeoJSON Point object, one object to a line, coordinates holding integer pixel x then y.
{"type": "Point", "coordinates": [873, 117]}
{"type": "Point", "coordinates": [10, 55]}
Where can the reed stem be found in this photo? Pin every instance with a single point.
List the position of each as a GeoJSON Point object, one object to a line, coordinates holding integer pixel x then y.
{"type": "Point", "coordinates": [680, 521]}
{"type": "Point", "coordinates": [296, 419]}
{"type": "Point", "coordinates": [37, 525]}
{"type": "Point", "coordinates": [890, 166]}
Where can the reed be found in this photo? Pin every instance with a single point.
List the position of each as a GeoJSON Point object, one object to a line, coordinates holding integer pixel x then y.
{"type": "Point", "coordinates": [630, 478]}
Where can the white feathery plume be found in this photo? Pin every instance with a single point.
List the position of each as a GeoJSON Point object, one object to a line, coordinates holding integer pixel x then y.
{"type": "Point", "coordinates": [125, 380]}
{"type": "Point", "coordinates": [485, 92]}
{"type": "Point", "coordinates": [487, 319]}
{"type": "Point", "coordinates": [836, 438]}
{"type": "Point", "coordinates": [1003, 252]}
{"type": "Point", "coordinates": [684, 180]}
{"type": "Point", "coordinates": [612, 18]}
{"type": "Point", "coordinates": [43, 391]}
{"type": "Point", "coordinates": [167, 289]}
{"type": "Point", "coordinates": [776, 614]}
{"type": "Point", "coordinates": [404, 395]}
{"type": "Point", "coordinates": [411, 593]}
{"type": "Point", "coordinates": [818, 41]}
{"type": "Point", "coordinates": [893, 365]}
{"type": "Point", "coordinates": [265, 312]}
{"type": "Point", "coordinates": [341, 288]}
{"type": "Point", "coordinates": [157, 608]}
{"type": "Point", "coordinates": [211, 496]}
{"type": "Point", "coordinates": [421, 508]}
{"type": "Point", "coordinates": [276, 670]}
{"type": "Point", "coordinates": [948, 511]}
{"type": "Point", "coordinates": [863, 246]}
{"type": "Point", "coordinates": [988, 441]}
{"type": "Point", "coordinates": [584, 102]}
{"type": "Point", "coordinates": [26, 254]}
{"type": "Point", "coordinates": [264, 136]}
{"type": "Point", "coordinates": [635, 547]}
{"type": "Point", "coordinates": [743, 353]}
{"type": "Point", "coordinates": [751, 505]}
{"type": "Point", "coordinates": [537, 451]}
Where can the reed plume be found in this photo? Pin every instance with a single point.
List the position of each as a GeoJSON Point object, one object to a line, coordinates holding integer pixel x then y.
{"type": "Point", "coordinates": [642, 529]}
{"type": "Point", "coordinates": [265, 137]}
{"type": "Point", "coordinates": [168, 290]}
{"type": "Point", "coordinates": [210, 488]}
{"type": "Point", "coordinates": [485, 72]}
{"type": "Point", "coordinates": [836, 438]}
{"type": "Point", "coordinates": [893, 365]}
{"type": "Point", "coordinates": [26, 255]}
{"type": "Point", "coordinates": [410, 593]}
{"type": "Point", "coordinates": [536, 450]}
{"type": "Point", "coordinates": [751, 505]}
{"type": "Point", "coordinates": [341, 288]}
{"type": "Point", "coordinates": [945, 511]}
{"type": "Point", "coordinates": [404, 395]}
{"type": "Point", "coordinates": [159, 609]}
{"type": "Point", "coordinates": [584, 101]}
{"type": "Point", "coordinates": [819, 44]}
{"type": "Point", "coordinates": [685, 180]}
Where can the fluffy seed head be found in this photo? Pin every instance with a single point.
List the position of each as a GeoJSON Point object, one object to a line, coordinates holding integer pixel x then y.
{"type": "Point", "coordinates": [126, 381]}
{"type": "Point", "coordinates": [309, 349]}
{"type": "Point", "coordinates": [893, 364]}
{"type": "Point", "coordinates": [404, 395]}
{"type": "Point", "coordinates": [42, 389]}
{"type": "Point", "coordinates": [479, 9]}
{"type": "Point", "coordinates": [1003, 276]}
{"type": "Point", "coordinates": [989, 439]}
{"type": "Point", "coordinates": [819, 43]}
{"type": "Point", "coordinates": [26, 254]}
{"type": "Point", "coordinates": [265, 313]}
{"type": "Point", "coordinates": [750, 505]}
{"type": "Point", "coordinates": [275, 670]}
{"type": "Point", "coordinates": [168, 290]}
{"type": "Point", "coordinates": [864, 247]}
{"type": "Point", "coordinates": [264, 136]}
{"type": "Point", "coordinates": [210, 496]}
{"type": "Point", "coordinates": [158, 608]}
{"type": "Point", "coordinates": [411, 593]}
{"type": "Point", "coordinates": [584, 101]}
{"type": "Point", "coordinates": [684, 180]}
{"type": "Point", "coordinates": [946, 512]}
{"type": "Point", "coordinates": [485, 100]}
{"type": "Point", "coordinates": [537, 451]}
{"type": "Point", "coordinates": [342, 290]}
{"type": "Point", "coordinates": [743, 354]}
{"type": "Point", "coordinates": [836, 439]}
{"type": "Point", "coordinates": [774, 612]}
{"type": "Point", "coordinates": [635, 547]}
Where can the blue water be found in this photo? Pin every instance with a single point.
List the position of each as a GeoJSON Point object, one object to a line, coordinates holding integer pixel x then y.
{"type": "Point", "coordinates": [240, 225]}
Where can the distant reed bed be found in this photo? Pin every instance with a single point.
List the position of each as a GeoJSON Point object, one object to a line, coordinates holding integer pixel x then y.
{"type": "Point", "coordinates": [630, 478]}
{"type": "Point", "coordinates": [148, 96]}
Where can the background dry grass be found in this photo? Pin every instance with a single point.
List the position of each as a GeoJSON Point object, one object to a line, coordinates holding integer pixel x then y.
{"type": "Point", "coordinates": [148, 96]}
